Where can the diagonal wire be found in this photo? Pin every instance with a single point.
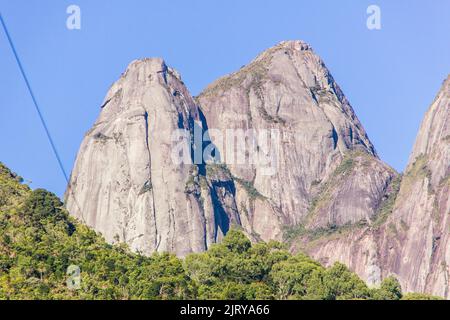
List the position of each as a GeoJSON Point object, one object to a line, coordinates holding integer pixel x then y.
{"type": "Point", "coordinates": [38, 110]}
{"type": "Point", "coordinates": [41, 117]}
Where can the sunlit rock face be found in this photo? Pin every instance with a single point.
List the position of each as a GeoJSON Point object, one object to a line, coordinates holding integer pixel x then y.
{"type": "Point", "coordinates": [416, 242]}
{"type": "Point", "coordinates": [288, 90]}
{"type": "Point", "coordinates": [409, 237]}
{"type": "Point", "coordinates": [125, 183]}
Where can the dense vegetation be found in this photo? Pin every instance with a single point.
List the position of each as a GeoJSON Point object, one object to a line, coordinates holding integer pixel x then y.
{"type": "Point", "coordinates": [39, 241]}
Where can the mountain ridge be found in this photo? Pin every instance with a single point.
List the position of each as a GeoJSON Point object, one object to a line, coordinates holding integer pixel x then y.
{"type": "Point", "coordinates": [328, 192]}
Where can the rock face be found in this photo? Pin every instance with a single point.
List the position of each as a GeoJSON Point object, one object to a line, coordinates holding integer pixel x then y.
{"type": "Point", "coordinates": [410, 236]}
{"type": "Point", "coordinates": [125, 183]}
{"type": "Point", "coordinates": [288, 89]}
{"type": "Point", "coordinates": [297, 166]}
{"type": "Point", "coordinates": [416, 242]}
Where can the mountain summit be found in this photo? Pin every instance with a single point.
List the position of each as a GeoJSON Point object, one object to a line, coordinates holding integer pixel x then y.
{"type": "Point", "coordinates": [288, 88]}
{"type": "Point", "coordinates": [418, 248]}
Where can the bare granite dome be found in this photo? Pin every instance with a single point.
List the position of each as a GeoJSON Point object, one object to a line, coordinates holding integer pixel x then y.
{"type": "Point", "coordinates": [289, 89]}
{"type": "Point", "coordinates": [125, 184]}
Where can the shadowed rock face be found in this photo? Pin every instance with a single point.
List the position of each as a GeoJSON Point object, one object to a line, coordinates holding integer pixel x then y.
{"type": "Point", "coordinates": [125, 184]}
{"type": "Point", "coordinates": [289, 89]}
{"type": "Point", "coordinates": [410, 235]}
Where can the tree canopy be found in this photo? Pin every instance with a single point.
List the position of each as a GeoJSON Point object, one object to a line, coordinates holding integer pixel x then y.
{"type": "Point", "coordinates": [39, 241]}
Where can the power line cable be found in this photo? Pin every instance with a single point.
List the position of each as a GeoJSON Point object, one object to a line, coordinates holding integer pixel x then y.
{"type": "Point", "coordinates": [36, 105]}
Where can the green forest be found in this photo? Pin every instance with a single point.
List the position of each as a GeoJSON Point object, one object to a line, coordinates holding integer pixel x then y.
{"type": "Point", "coordinates": [39, 241]}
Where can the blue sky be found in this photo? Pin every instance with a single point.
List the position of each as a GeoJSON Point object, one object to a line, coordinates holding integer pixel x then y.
{"type": "Point", "coordinates": [390, 75]}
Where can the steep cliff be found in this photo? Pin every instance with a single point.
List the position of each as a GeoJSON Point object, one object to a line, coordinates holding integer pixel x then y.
{"type": "Point", "coordinates": [416, 242]}
{"type": "Point", "coordinates": [288, 91]}
{"type": "Point", "coordinates": [125, 182]}
{"type": "Point", "coordinates": [410, 235]}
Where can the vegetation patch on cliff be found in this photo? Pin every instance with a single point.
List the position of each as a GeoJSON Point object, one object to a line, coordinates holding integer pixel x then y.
{"type": "Point", "coordinates": [419, 170]}
{"type": "Point", "coordinates": [248, 186]}
{"type": "Point", "coordinates": [212, 170]}
{"type": "Point", "coordinates": [387, 205]}
{"type": "Point", "coordinates": [292, 234]}
{"type": "Point", "coordinates": [327, 188]}
{"type": "Point", "coordinates": [216, 170]}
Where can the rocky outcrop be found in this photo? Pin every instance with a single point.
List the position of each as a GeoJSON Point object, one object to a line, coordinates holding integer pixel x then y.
{"type": "Point", "coordinates": [298, 166]}
{"type": "Point", "coordinates": [353, 194]}
{"type": "Point", "coordinates": [125, 183]}
{"type": "Point", "coordinates": [288, 90]}
{"type": "Point", "coordinates": [416, 241]}
{"type": "Point", "coordinates": [409, 236]}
